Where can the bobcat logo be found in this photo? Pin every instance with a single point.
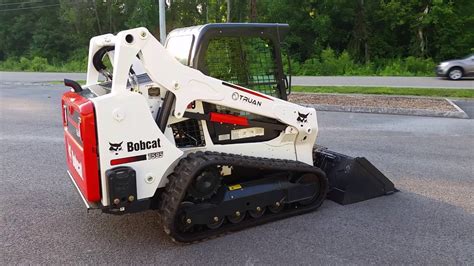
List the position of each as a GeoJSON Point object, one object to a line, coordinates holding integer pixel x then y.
{"type": "Point", "coordinates": [115, 147]}
{"type": "Point", "coordinates": [303, 118]}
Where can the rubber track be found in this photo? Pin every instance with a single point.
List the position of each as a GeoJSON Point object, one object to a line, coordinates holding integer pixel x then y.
{"type": "Point", "coordinates": [191, 165]}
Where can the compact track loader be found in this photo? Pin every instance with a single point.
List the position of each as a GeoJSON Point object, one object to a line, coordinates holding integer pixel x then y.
{"type": "Point", "coordinates": [200, 130]}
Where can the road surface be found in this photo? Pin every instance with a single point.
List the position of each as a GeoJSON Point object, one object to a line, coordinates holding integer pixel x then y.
{"type": "Point", "coordinates": [43, 220]}
{"type": "Point", "coordinates": [416, 82]}
{"type": "Point", "coordinates": [37, 77]}
{"type": "Point", "coordinates": [400, 82]}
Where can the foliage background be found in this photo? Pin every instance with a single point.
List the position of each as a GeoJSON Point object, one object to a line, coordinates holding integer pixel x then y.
{"type": "Point", "coordinates": [327, 37]}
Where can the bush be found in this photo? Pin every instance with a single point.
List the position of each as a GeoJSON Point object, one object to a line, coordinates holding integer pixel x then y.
{"type": "Point", "coordinates": [361, 70]}
{"type": "Point", "coordinates": [310, 67]}
{"type": "Point", "coordinates": [24, 63]}
{"type": "Point", "coordinates": [39, 64]}
{"type": "Point", "coordinates": [10, 64]}
{"type": "Point", "coordinates": [328, 63]}
{"type": "Point", "coordinates": [331, 64]}
{"type": "Point", "coordinates": [419, 66]}
{"type": "Point", "coordinates": [77, 63]}
{"type": "Point", "coordinates": [410, 66]}
{"type": "Point", "coordinates": [295, 65]}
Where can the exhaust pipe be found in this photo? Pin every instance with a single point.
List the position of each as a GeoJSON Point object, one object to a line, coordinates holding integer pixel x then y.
{"type": "Point", "coordinates": [351, 179]}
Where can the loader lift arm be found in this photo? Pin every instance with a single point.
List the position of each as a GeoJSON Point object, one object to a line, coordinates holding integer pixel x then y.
{"type": "Point", "coordinates": [189, 85]}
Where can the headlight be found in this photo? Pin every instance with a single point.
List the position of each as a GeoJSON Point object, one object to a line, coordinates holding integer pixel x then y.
{"type": "Point", "coordinates": [444, 64]}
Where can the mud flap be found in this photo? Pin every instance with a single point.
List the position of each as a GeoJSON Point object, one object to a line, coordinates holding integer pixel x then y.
{"type": "Point", "coordinates": [351, 179]}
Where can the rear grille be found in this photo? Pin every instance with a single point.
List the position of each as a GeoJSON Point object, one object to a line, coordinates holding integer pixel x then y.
{"type": "Point", "coordinates": [188, 133]}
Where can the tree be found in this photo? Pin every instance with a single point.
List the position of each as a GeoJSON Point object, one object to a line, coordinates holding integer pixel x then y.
{"type": "Point", "coordinates": [358, 45]}
{"type": "Point", "coordinates": [370, 30]}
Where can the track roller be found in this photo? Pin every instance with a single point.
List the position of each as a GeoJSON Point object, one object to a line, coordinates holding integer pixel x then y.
{"type": "Point", "coordinates": [241, 198]}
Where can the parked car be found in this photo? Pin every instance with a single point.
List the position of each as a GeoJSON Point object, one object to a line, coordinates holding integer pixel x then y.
{"type": "Point", "coordinates": [457, 68]}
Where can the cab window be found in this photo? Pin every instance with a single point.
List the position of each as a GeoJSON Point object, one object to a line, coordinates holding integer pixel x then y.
{"type": "Point", "coordinates": [246, 61]}
{"type": "Point", "coordinates": [180, 47]}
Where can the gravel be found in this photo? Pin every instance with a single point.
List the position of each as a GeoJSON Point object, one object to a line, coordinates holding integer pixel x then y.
{"type": "Point", "coordinates": [376, 101]}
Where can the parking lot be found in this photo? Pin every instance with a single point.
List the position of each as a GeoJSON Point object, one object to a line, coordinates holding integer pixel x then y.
{"type": "Point", "coordinates": [431, 160]}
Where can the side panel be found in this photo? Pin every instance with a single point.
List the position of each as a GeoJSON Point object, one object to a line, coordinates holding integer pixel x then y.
{"type": "Point", "coordinates": [128, 136]}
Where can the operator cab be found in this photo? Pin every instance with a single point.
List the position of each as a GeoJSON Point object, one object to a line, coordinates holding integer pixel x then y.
{"type": "Point", "coordinates": [246, 54]}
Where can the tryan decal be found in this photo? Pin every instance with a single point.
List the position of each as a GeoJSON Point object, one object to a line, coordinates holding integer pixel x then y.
{"type": "Point", "coordinates": [143, 145]}
{"type": "Point", "coordinates": [246, 90]}
{"type": "Point", "coordinates": [303, 118]}
{"type": "Point", "coordinates": [243, 98]}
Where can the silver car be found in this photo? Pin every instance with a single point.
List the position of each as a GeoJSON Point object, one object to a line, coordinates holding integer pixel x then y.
{"type": "Point", "coordinates": [456, 69]}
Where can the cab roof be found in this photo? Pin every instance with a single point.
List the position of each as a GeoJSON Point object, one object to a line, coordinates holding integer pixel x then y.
{"type": "Point", "coordinates": [276, 30]}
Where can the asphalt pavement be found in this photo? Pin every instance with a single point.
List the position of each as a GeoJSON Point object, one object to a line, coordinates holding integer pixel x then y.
{"type": "Point", "coordinates": [43, 220]}
{"type": "Point", "coordinates": [32, 78]}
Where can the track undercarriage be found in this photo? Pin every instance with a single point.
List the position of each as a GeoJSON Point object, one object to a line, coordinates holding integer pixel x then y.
{"type": "Point", "coordinates": [211, 193]}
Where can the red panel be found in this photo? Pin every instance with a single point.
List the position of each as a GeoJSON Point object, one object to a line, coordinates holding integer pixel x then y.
{"type": "Point", "coordinates": [229, 119]}
{"type": "Point", "coordinates": [82, 159]}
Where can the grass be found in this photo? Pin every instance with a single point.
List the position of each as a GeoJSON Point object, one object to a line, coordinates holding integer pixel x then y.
{"type": "Point", "coordinates": [429, 92]}
{"type": "Point", "coordinates": [40, 64]}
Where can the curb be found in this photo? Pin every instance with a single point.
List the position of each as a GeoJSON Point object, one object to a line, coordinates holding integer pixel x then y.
{"type": "Point", "coordinates": [395, 111]}
{"type": "Point", "coordinates": [457, 107]}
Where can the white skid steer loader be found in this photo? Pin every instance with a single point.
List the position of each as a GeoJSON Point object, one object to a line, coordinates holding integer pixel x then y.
{"type": "Point", "coordinates": [201, 132]}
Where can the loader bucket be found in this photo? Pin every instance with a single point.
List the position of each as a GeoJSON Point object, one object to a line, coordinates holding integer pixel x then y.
{"type": "Point", "coordinates": [351, 179]}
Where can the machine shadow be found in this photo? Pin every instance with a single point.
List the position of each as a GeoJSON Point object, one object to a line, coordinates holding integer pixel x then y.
{"type": "Point", "coordinates": [390, 226]}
